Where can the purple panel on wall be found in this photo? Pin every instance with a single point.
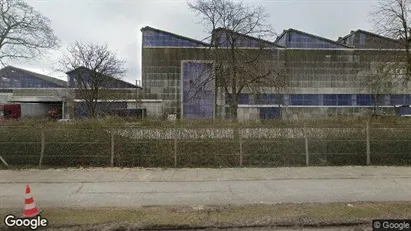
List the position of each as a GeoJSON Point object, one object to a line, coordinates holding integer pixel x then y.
{"type": "Point", "coordinates": [197, 91]}
{"type": "Point", "coordinates": [239, 41]}
{"type": "Point", "coordinates": [84, 74]}
{"type": "Point", "coordinates": [16, 79]}
{"type": "Point", "coordinates": [298, 40]}
{"type": "Point", "coordinates": [155, 39]}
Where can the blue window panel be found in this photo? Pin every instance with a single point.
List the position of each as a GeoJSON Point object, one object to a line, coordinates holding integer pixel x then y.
{"type": "Point", "coordinates": [397, 99]}
{"type": "Point", "coordinates": [364, 100]}
{"type": "Point", "coordinates": [297, 99]}
{"type": "Point", "coordinates": [154, 38]}
{"type": "Point", "coordinates": [404, 111]}
{"type": "Point", "coordinates": [113, 83]}
{"type": "Point", "coordinates": [240, 41]}
{"type": "Point", "coordinates": [197, 102]}
{"type": "Point", "coordinates": [206, 112]}
{"type": "Point", "coordinates": [261, 99]}
{"type": "Point", "coordinates": [305, 99]}
{"type": "Point", "coordinates": [190, 109]}
{"type": "Point", "coordinates": [311, 99]}
{"type": "Point", "coordinates": [407, 99]}
{"type": "Point", "coordinates": [344, 100]}
{"type": "Point", "coordinates": [297, 40]}
{"type": "Point", "coordinates": [24, 81]}
{"type": "Point", "coordinates": [243, 99]}
{"type": "Point", "coordinates": [118, 84]}
{"type": "Point", "coordinates": [269, 99]}
{"type": "Point", "coordinates": [330, 100]}
{"type": "Point", "coordinates": [186, 96]}
{"type": "Point", "coordinates": [337, 100]}
{"type": "Point", "coordinates": [400, 99]}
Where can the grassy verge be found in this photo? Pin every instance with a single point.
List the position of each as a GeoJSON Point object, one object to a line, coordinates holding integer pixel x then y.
{"type": "Point", "coordinates": [281, 215]}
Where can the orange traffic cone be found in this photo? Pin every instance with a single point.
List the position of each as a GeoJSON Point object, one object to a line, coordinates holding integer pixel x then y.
{"type": "Point", "coordinates": [30, 208]}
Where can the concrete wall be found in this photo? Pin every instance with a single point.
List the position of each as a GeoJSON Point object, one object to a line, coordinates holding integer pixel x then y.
{"type": "Point", "coordinates": [4, 97]}
{"type": "Point", "coordinates": [161, 73]}
{"type": "Point", "coordinates": [34, 110]}
{"type": "Point", "coordinates": [154, 109]}
{"type": "Point", "coordinates": [298, 113]}
{"type": "Point", "coordinates": [248, 114]}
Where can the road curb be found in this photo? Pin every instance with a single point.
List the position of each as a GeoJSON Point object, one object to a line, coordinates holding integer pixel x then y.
{"type": "Point", "coordinates": [202, 180]}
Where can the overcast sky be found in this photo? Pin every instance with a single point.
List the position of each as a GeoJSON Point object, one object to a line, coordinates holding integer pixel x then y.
{"type": "Point", "coordinates": [117, 23]}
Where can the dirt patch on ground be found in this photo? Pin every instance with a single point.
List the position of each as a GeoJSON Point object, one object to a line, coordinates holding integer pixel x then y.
{"type": "Point", "coordinates": [202, 217]}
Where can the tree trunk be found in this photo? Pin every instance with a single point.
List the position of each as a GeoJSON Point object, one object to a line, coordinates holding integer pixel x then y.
{"type": "Point", "coordinates": [234, 108]}
{"type": "Point", "coordinates": [92, 107]}
{"type": "Point", "coordinates": [408, 57]}
{"type": "Point", "coordinates": [92, 112]}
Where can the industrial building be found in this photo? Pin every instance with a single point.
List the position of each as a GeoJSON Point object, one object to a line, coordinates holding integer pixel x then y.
{"type": "Point", "coordinates": [39, 94]}
{"type": "Point", "coordinates": [324, 77]}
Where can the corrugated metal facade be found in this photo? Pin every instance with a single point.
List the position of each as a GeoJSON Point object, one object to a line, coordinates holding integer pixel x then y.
{"type": "Point", "coordinates": [325, 77]}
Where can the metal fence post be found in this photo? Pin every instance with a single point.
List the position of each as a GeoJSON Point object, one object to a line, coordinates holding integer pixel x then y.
{"type": "Point", "coordinates": [112, 148]}
{"type": "Point", "coordinates": [42, 148]}
{"type": "Point", "coordinates": [367, 131]}
{"type": "Point", "coordinates": [240, 142]}
{"type": "Point", "coordinates": [307, 156]}
{"type": "Point", "coordinates": [4, 162]}
{"type": "Point", "coordinates": [175, 147]}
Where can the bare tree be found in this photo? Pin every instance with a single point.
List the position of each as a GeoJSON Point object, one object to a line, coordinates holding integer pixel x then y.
{"type": "Point", "coordinates": [24, 32]}
{"type": "Point", "coordinates": [234, 27]}
{"type": "Point", "coordinates": [392, 19]}
{"type": "Point", "coordinates": [382, 78]}
{"type": "Point", "coordinates": [93, 69]}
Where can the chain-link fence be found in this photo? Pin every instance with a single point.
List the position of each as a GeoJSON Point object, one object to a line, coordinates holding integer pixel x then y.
{"type": "Point", "coordinates": [241, 146]}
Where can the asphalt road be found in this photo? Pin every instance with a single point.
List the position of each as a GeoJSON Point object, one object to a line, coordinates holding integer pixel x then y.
{"type": "Point", "coordinates": [123, 192]}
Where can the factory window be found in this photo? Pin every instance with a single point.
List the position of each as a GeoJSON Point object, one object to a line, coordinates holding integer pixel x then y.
{"type": "Point", "coordinates": [397, 99]}
{"type": "Point", "coordinates": [153, 39]}
{"type": "Point", "coordinates": [242, 98]}
{"type": "Point", "coordinates": [330, 100]}
{"type": "Point", "coordinates": [400, 99]}
{"type": "Point", "coordinates": [407, 99]}
{"type": "Point", "coordinates": [306, 41]}
{"type": "Point", "coordinates": [268, 99]}
{"type": "Point", "coordinates": [305, 99]}
{"type": "Point", "coordinates": [344, 100]}
{"type": "Point", "coordinates": [364, 100]}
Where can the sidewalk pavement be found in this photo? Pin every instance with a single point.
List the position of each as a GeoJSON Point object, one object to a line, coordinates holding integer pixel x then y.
{"type": "Point", "coordinates": [198, 174]}
{"type": "Point", "coordinates": [114, 187]}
